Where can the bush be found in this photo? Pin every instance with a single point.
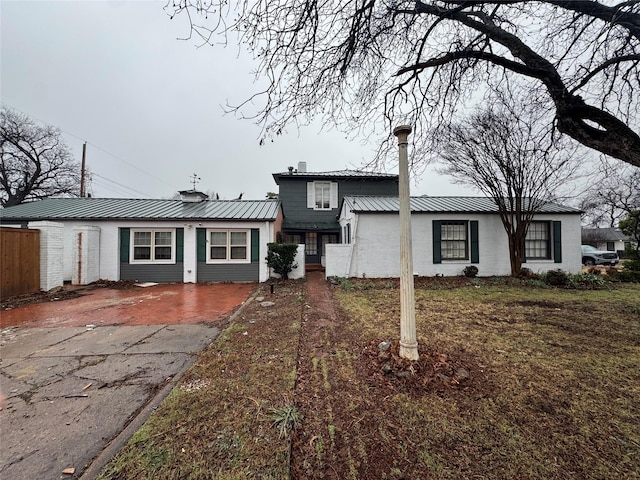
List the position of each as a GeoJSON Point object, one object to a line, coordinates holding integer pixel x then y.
{"type": "Point", "coordinates": [281, 257]}
{"type": "Point", "coordinates": [528, 274]}
{"type": "Point", "coordinates": [471, 271]}
{"type": "Point", "coordinates": [556, 278]}
{"type": "Point", "coordinates": [587, 281]}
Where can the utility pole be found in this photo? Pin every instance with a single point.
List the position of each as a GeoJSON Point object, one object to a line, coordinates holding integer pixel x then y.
{"type": "Point", "coordinates": [408, 342]}
{"type": "Point", "coordinates": [83, 171]}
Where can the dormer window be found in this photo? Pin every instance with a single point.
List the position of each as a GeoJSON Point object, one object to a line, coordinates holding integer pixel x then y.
{"type": "Point", "coordinates": [322, 195]}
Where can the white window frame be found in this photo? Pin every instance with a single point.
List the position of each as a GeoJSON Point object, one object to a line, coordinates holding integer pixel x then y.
{"type": "Point", "coordinates": [152, 260]}
{"type": "Point", "coordinates": [228, 245]}
{"type": "Point", "coordinates": [455, 241]}
{"type": "Point", "coordinates": [311, 195]}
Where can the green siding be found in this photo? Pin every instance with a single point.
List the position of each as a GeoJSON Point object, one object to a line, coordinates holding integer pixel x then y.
{"type": "Point", "coordinates": [475, 243]}
{"type": "Point", "coordinates": [293, 195]}
{"type": "Point", "coordinates": [201, 240]}
{"type": "Point", "coordinates": [171, 273]}
{"type": "Point", "coordinates": [557, 242]}
{"type": "Point", "coordinates": [179, 244]}
{"type": "Point", "coordinates": [255, 245]}
{"type": "Point", "coordinates": [232, 272]}
{"type": "Point", "coordinates": [125, 238]}
{"type": "Point", "coordinates": [437, 234]}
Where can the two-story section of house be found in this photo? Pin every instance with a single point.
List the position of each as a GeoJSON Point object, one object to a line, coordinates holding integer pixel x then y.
{"type": "Point", "coordinates": [311, 204]}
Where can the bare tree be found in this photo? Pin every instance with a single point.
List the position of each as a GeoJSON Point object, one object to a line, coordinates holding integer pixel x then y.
{"type": "Point", "coordinates": [35, 163]}
{"type": "Point", "coordinates": [615, 192]}
{"type": "Point", "coordinates": [508, 154]}
{"type": "Point", "coordinates": [365, 64]}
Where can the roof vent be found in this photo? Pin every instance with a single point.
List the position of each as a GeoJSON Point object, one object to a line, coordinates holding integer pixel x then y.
{"type": "Point", "coordinates": [192, 196]}
{"type": "Point", "coordinates": [302, 167]}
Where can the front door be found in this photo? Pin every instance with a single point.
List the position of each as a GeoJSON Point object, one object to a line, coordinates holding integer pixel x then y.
{"type": "Point", "coordinates": [311, 248]}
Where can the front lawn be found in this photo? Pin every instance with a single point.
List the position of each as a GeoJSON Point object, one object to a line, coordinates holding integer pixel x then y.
{"type": "Point", "coordinates": [514, 382]}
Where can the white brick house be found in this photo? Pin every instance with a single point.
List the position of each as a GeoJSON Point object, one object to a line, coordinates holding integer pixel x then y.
{"type": "Point", "coordinates": [86, 239]}
{"type": "Point", "coordinates": [448, 234]}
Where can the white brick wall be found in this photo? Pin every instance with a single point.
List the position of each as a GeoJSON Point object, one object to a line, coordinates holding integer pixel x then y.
{"type": "Point", "coordinates": [376, 248]}
{"type": "Point", "coordinates": [297, 272]}
{"type": "Point", "coordinates": [51, 253]}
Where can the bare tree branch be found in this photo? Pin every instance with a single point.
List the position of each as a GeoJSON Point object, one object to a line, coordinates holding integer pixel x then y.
{"type": "Point", "coordinates": [34, 162]}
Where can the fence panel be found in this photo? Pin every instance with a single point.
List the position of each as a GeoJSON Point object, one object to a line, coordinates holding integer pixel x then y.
{"type": "Point", "coordinates": [20, 265]}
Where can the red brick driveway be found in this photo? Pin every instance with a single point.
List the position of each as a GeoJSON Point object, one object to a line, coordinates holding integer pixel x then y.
{"type": "Point", "coordinates": [162, 304]}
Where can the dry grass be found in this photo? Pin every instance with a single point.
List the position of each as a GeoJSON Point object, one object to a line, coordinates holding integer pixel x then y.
{"type": "Point", "coordinates": [553, 393]}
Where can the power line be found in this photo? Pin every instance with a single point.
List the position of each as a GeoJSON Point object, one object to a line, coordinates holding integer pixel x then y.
{"type": "Point", "coordinates": [92, 144]}
{"type": "Point", "coordinates": [93, 174]}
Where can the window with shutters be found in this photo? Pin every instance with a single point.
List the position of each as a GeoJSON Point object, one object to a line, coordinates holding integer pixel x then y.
{"type": "Point", "coordinates": [322, 195]}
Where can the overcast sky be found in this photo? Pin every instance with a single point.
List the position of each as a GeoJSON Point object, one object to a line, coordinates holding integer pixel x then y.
{"type": "Point", "coordinates": [150, 106]}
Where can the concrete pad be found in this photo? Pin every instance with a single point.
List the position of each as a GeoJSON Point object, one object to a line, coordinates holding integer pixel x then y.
{"type": "Point", "coordinates": [135, 369]}
{"type": "Point", "coordinates": [14, 342]}
{"type": "Point", "coordinates": [12, 388]}
{"type": "Point", "coordinates": [177, 338]}
{"type": "Point", "coordinates": [40, 371]}
{"type": "Point", "coordinates": [100, 341]}
{"type": "Point", "coordinates": [62, 433]}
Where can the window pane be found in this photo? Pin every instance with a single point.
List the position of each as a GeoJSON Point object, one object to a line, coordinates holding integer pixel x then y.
{"type": "Point", "coordinates": [453, 236]}
{"type": "Point", "coordinates": [163, 238]}
{"type": "Point", "coordinates": [218, 253]}
{"type": "Point", "coordinates": [218, 238]}
{"type": "Point", "coordinates": [163, 253]}
{"type": "Point", "coordinates": [142, 253]}
{"type": "Point", "coordinates": [537, 242]}
{"type": "Point", "coordinates": [238, 238]}
{"type": "Point", "coordinates": [238, 253]}
{"type": "Point", "coordinates": [323, 194]}
{"type": "Point", "coordinates": [142, 238]}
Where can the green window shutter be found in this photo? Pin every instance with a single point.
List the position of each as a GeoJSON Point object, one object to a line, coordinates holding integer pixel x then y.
{"type": "Point", "coordinates": [437, 234]}
{"type": "Point", "coordinates": [179, 244]}
{"type": "Point", "coordinates": [201, 240]}
{"type": "Point", "coordinates": [255, 244]}
{"type": "Point", "coordinates": [557, 242]}
{"type": "Point", "coordinates": [475, 244]}
{"type": "Point", "coordinates": [125, 239]}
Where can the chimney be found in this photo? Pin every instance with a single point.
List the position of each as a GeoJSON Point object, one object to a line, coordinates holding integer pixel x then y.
{"type": "Point", "coordinates": [302, 167]}
{"type": "Point", "coordinates": [192, 196]}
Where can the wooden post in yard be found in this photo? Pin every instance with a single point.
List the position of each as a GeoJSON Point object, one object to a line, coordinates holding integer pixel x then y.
{"type": "Point", "coordinates": [408, 342]}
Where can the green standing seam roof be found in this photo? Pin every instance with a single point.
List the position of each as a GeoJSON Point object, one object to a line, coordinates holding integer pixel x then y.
{"type": "Point", "coordinates": [424, 204]}
{"type": "Point", "coordinates": [141, 209]}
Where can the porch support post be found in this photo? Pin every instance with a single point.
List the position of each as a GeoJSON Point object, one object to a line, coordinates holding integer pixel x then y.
{"type": "Point", "coordinates": [408, 342]}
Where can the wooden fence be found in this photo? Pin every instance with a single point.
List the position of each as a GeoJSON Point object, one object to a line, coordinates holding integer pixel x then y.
{"type": "Point", "coordinates": [20, 262]}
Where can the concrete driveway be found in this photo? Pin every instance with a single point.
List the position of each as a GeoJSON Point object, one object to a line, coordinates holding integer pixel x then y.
{"type": "Point", "coordinates": [75, 394]}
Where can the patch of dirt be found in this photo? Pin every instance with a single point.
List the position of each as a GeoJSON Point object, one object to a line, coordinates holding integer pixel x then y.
{"type": "Point", "coordinates": [343, 386]}
{"type": "Point", "coordinates": [61, 293]}
{"type": "Point", "coordinates": [433, 372]}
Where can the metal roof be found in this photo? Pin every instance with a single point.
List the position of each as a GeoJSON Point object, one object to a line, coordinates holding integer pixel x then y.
{"type": "Point", "coordinates": [141, 209]}
{"type": "Point", "coordinates": [424, 204]}
{"type": "Point", "coordinates": [356, 174]}
{"type": "Point", "coordinates": [604, 234]}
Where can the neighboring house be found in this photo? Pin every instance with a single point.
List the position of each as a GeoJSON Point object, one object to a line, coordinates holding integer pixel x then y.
{"type": "Point", "coordinates": [448, 234]}
{"type": "Point", "coordinates": [186, 240]}
{"type": "Point", "coordinates": [608, 239]}
{"type": "Point", "coordinates": [311, 204]}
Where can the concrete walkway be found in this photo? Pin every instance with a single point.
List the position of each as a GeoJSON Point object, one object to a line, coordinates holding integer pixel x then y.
{"type": "Point", "coordinates": [72, 391]}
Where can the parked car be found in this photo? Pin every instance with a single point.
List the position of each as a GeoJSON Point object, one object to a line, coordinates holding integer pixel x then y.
{"type": "Point", "coordinates": [593, 256]}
